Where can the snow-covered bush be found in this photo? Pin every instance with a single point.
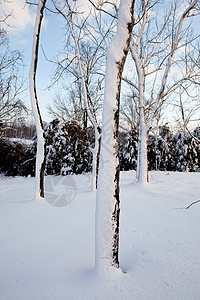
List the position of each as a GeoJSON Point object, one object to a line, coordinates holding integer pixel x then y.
{"type": "Point", "coordinates": [12, 155]}
{"type": "Point", "coordinates": [168, 152]}
{"type": "Point", "coordinates": [128, 151]}
{"type": "Point", "coordinates": [163, 155]}
{"type": "Point", "coordinates": [178, 150]}
{"type": "Point", "coordinates": [151, 152]}
{"type": "Point", "coordinates": [193, 150]}
{"type": "Point", "coordinates": [193, 155]}
{"type": "Point", "coordinates": [67, 150]}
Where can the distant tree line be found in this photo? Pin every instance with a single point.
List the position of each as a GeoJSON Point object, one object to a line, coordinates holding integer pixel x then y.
{"type": "Point", "coordinates": [17, 129]}
{"type": "Point", "coordinates": [68, 151]}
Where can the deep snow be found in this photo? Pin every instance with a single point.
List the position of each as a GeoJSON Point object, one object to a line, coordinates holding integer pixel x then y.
{"type": "Point", "coordinates": [47, 252]}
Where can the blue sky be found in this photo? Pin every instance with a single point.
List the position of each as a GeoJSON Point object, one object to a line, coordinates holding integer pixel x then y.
{"type": "Point", "coordinates": [21, 33]}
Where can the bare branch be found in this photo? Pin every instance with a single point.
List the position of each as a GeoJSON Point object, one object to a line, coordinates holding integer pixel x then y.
{"type": "Point", "coordinates": [101, 9]}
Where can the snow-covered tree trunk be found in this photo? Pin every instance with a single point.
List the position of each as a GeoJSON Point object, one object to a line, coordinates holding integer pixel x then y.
{"type": "Point", "coordinates": [93, 181]}
{"type": "Point", "coordinates": [107, 202]}
{"type": "Point", "coordinates": [142, 168]}
{"type": "Point", "coordinates": [142, 163]}
{"type": "Point", "coordinates": [40, 158]}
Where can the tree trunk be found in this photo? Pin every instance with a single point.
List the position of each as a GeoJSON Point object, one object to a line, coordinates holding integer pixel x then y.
{"type": "Point", "coordinates": [41, 156]}
{"type": "Point", "coordinates": [95, 160]}
{"type": "Point", "coordinates": [107, 203]}
{"type": "Point", "coordinates": [142, 167]}
{"type": "Point", "coordinates": [98, 158]}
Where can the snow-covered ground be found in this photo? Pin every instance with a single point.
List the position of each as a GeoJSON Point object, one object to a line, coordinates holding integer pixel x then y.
{"type": "Point", "coordinates": [47, 252]}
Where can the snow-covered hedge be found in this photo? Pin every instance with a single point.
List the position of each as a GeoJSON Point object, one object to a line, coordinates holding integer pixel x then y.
{"type": "Point", "coordinates": [167, 152]}
{"type": "Point", "coordinates": [68, 151]}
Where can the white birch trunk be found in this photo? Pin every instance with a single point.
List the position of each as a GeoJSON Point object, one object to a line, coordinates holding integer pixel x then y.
{"type": "Point", "coordinates": [142, 161]}
{"type": "Point", "coordinates": [142, 169]}
{"type": "Point", "coordinates": [40, 158]}
{"type": "Point", "coordinates": [94, 164]}
{"type": "Point", "coordinates": [107, 202]}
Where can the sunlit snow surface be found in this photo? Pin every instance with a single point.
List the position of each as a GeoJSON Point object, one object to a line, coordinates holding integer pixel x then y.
{"type": "Point", "coordinates": [47, 252]}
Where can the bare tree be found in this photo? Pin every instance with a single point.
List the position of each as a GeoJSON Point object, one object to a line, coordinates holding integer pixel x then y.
{"type": "Point", "coordinates": [68, 104]}
{"type": "Point", "coordinates": [88, 55]}
{"type": "Point", "coordinates": [188, 112]}
{"type": "Point", "coordinates": [157, 48]}
{"type": "Point", "coordinates": [11, 81]}
{"type": "Point", "coordinates": [41, 155]}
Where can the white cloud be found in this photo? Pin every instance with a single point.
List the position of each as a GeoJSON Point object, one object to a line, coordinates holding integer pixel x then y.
{"type": "Point", "coordinates": [20, 17]}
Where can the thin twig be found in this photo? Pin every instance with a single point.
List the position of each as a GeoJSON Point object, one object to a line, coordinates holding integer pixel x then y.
{"type": "Point", "coordinates": [192, 204]}
{"type": "Point", "coordinates": [189, 205]}
{"type": "Point", "coordinates": [103, 10]}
